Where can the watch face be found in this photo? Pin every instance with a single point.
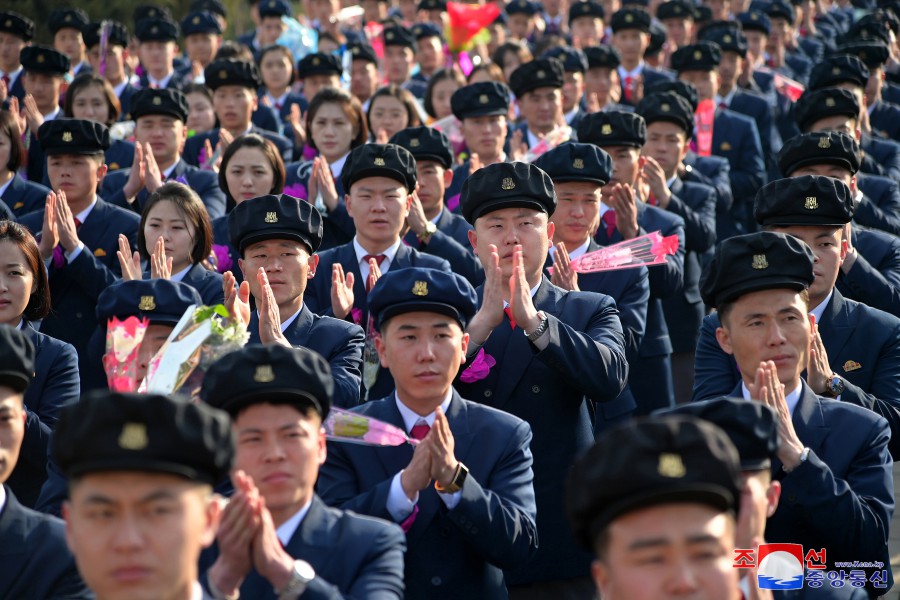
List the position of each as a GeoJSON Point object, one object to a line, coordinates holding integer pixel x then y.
{"type": "Point", "coordinates": [304, 570]}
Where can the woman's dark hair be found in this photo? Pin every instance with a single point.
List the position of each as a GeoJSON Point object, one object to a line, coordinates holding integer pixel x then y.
{"type": "Point", "coordinates": [194, 211]}
{"type": "Point", "coordinates": [85, 81]}
{"type": "Point", "coordinates": [252, 140]}
{"type": "Point", "coordinates": [232, 49]}
{"type": "Point", "coordinates": [494, 72]}
{"type": "Point", "coordinates": [351, 107]}
{"type": "Point", "coordinates": [197, 88]}
{"type": "Point", "coordinates": [39, 302]}
{"type": "Point", "coordinates": [442, 75]}
{"type": "Point", "coordinates": [10, 128]}
{"type": "Point", "coordinates": [283, 50]}
{"type": "Point", "coordinates": [517, 48]}
{"type": "Point", "coordinates": [404, 96]}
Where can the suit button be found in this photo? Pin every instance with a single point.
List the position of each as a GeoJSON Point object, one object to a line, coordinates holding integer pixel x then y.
{"type": "Point", "coordinates": [436, 581]}
{"type": "Point", "coordinates": [488, 393]}
{"type": "Point", "coordinates": [535, 389]}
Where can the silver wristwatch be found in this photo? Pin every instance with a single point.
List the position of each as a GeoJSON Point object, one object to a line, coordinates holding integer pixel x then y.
{"type": "Point", "coordinates": [539, 331]}
{"type": "Point", "coordinates": [300, 578]}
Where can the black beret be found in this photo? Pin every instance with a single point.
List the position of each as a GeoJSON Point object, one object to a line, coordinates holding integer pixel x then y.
{"type": "Point", "coordinates": [819, 148]}
{"type": "Point", "coordinates": [258, 374]}
{"type": "Point", "coordinates": [873, 53]}
{"type": "Point", "coordinates": [379, 160]}
{"type": "Point", "coordinates": [156, 30]}
{"type": "Point", "coordinates": [728, 39]}
{"type": "Point", "coordinates": [213, 6]}
{"type": "Point", "coordinates": [73, 136]}
{"type": "Point", "coordinates": [16, 24]}
{"type": "Point", "coordinates": [363, 51]}
{"type": "Point", "coordinates": [870, 29]}
{"type": "Point", "coordinates": [538, 73]}
{"type": "Point", "coordinates": [150, 11]}
{"type": "Point", "coordinates": [613, 128]}
{"type": "Point", "coordinates": [231, 72]}
{"type": "Point", "coordinates": [200, 22]}
{"type": "Point", "coordinates": [73, 18]}
{"type": "Point", "coordinates": [658, 460]}
{"type": "Point", "coordinates": [41, 59]}
{"type": "Point", "coordinates": [319, 63]}
{"type": "Point", "coordinates": [669, 107]}
{"type": "Point", "coordinates": [573, 59]}
{"type": "Point", "coordinates": [755, 20]}
{"type": "Point", "coordinates": [523, 7]}
{"type": "Point", "coordinates": [16, 359]}
{"type": "Point", "coordinates": [757, 261]}
{"type": "Point", "coordinates": [781, 9]}
{"type": "Point", "coordinates": [506, 185]}
{"type": "Point", "coordinates": [432, 5]}
{"type": "Point", "coordinates": [751, 426]}
{"type": "Point", "coordinates": [108, 431]}
{"type": "Point", "coordinates": [151, 101]}
{"type": "Point", "coordinates": [160, 301]}
{"type": "Point", "coordinates": [704, 14]}
{"type": "Point", "coordinates": [827, 102]}
{"type": "Point", "coordinates": [702, 56]}
{"type": "Point", "coordinates": [586, 8]}
{"type": "Point", "coordinates": [425, 143]}
{"type": "Point", "coordinates": [480, 99]}
{"type": "Point", "coordinates": [833, 70]}
{"type": "Point", "coordinates": [274, 8]}
{"type": "Point", "coordinates": [574, 161]}
{"type": "Point", "coordinates": [804, 200]}
{"type": "Point", "coordinates": [118, 34]}
{"type": "Point", "coordinates": [658, 37]}
{"type": "Point", "coordinates": [602, 56]}
{"type": "Point", "coordinates": [418, 289]}
{"type": "Point", "coordinates": [676, 9]}
{"type": "Point", "coordinates": [630, 18]}
{"type": "Point", "coordinates": [421, 31]}
{"type": "Point", "coordinates": [397, 35]}
{"type": "Point", "coordinates": [272, 217]}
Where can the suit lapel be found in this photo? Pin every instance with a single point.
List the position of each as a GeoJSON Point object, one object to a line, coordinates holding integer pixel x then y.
{"type": "Point", "coordinates": [835, 326]}
{"type": "Point", "coordinates": [12, 527]}
{"type": "Point", "coordinates": [809, 423]}
{"type": "Point", "coordinates": [394, 458]}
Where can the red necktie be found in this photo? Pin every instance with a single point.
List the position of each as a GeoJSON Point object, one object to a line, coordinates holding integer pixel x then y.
{"type": "Point", "coordinates": [628, 80]}
{"type": "Point", "coordinates": [722, 105]}
{"type": "Point", "coordinates": [509, 315]}
{"type": "Point", "coordinates": [419, 430]}
{"type": "Point", "coordinates": [609, 219]}
{"type": "Point", "coordinates": [278, 106]}
{"type": "Point", "coordinates": [651, 201]}
{"type": "Point", "coordinates": [379, 258]}
{"type": "Point", "coordinates": [5, 79]}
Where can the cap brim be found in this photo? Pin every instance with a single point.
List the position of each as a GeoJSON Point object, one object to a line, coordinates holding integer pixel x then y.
{"type": "Point", "coordinates": [758, 284]}
{"type": "Point", "coordinates": [810, 221]}
{"type": "Point", "coordinates": [756, 464]}
{"type": "Point", "coordinates": [819, 160]}
{"type": "Point", "coordinates": [276, 234]}
{"type": "Point", "coordinates": [378, 172]}
{"type": "Point", "coordinates": [571, 178]}
{"type": "Point", "coordinates": [140, 464]}
{"type": "Point", "coordinates": [292, 396]}
{"type": "Point", "coordinates": [494, 205]}
{"type": "Point", "coordinates": [484, 112]}
{"type": "Point", "coordinates": [80, 150]}
{"type": "Point", "coordinates": [14, 380]}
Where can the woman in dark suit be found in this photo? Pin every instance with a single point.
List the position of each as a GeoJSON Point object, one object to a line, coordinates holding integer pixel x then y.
{"type": "Point", "coordinates": [18, 196]}
{"type": "Point", "coordinates": [24, 300]}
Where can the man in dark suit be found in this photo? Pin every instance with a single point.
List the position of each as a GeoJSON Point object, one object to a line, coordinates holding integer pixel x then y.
{"type": "Point", "coordinates": [160, 132]}
{"type": "Point", "coordinates": [857, 348]}
{"type": "Point", "coordinates": [157, 49]}
{"type": "Point", "coordinates": [36, 562]}
{"type": "Point", "coordinates": [626, 214]}
{"type": "Point", "coordinates": [380, 180]}
{"type": "Point", "coordinates": [431, 227]}
{"type": "Point", "coordinates": [277, 237]}
{"type": "Point", "coordinates": [114, 61]}
{"type": "Point", "coordinates": [884, 115]}
{"type": "Point", "coordinates": [579, 171]}
{"type": "Point", "coordinates": [480, 516]}
{"type": "Point", "coordinates": [574, 66]}
{"type": "Point", "coordinates": [43, 77]}
{"type": "Point", "coordinates": [141, 471]}
{"type": "Point", "coordinates": [234, 84]}
{"type": "Point", "coordinates": [557, 354]}
{"type": "Point", "coordinates": [16, 32]}
{"type": "Point", "coordinates": [278, 538]}
{"type": "Point", "coordinates": [631, 37]}
{"type": "Point", "coordinates": [79, 235]}
{"type": "Point", "coordinates": [761, 285]}
{"type": "Point", "coordinates": [538, 88]}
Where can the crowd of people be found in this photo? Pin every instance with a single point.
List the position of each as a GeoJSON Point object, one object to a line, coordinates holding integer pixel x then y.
{"type": "Point", "coordinates": [409, 230]}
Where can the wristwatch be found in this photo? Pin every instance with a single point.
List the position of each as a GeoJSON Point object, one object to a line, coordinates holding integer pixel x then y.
{"type": "Point", "coordinates": [539, 331]}
{"type": "Point", "coordinates": [430, 229]}
{"type": "Point", "coordinates": [834, 387]}
{"type": "Point", "coordinates": [804, 455]}
{"type": "Point", "coordinates": [303, 573]}
{"type": "Point", "coordinates": [459, 478]}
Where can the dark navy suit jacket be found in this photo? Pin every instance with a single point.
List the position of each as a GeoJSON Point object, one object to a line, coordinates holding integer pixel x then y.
{"type": "Point", "coordinates": [883, 155]}
{"type": "Point", "coordinates": [651, 75]}
{"type": "Point", "coordinates": [874, 278]}
{"type": "Point", "coordinates": [195, 144]}
{"type": "Point", "coordinates": [353, 557]}
{"type": "Point", "coordinates": [37, 564]}
{"type": "Point", "coordinates": [120, 155]}
{"type": "Point", "coordinates": [455, 553]}
{"type": "Point", "coordinates": [339, 342]}
{"type": "Point", "coordinates": [451, 242]}
{"type": "Point", "coordinates": [125, 100]}
{"type": "Point", "coordinates": [338, 227]}
{"type": "Point", "coordinates": [204, 183]}
{"type": "Point", "coordinates": [715, 172]}
{"type": "Point", "coordinates": [207, 283]}
{"type": "Point", "coordinates": [885, 120]}
{"type": "Point", "coordinates": [23, 196]}
{"type": "Point", "coordinates": [756, 107]}
{"type": "Point", "coordinates": [863, 346]}
{"type": "Point", "coordinates": [555, 391]}
{"type": "Point", "coordinates": [736, 138]}
{"type": "Point", "coordinates": [880, 205]}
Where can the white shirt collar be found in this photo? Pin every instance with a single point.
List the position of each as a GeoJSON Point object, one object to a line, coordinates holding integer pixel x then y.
{"type": "Point", "coordinates": [83, 215]}
{"type": "Point", "coordinates": [120, 87]}
{"type": "Point", "coordinates": [287, 529]}
{"type": "Point", "coordinates": [533, 291]}
{"type": "Point", "coordinates": [603, 209]}
{"type": "Point", "coordinates": [579, 251]}
{"type": "Point", "coordinates": [181, 274]}
{"type": "Point", "coordinates": [291, 319]}
{"type": "Point", "coordinates": [533, 140]}
{"type": "Point", "coordinates": [434, 220]}
{"type": "Point", "coordinates": [279, 100]}
{"type": "Point", "coordinates": [791, 398]}
{"type": "Point", "coordinates": [670, 181]}
{"type": "Point", "coordinates": [6, 185]}
{"type": "Point", "coordinates": [160, 83]}
{"type": "Point", "coordinates": [410, 418]}
{"type": "Point", "coordinates": [338, 166]}
{"type": "Point", "coordinates": [13, 75]}
{"type": "Point", "coordinates": [168, 172]}
{"type": "Point", "coordinates": [54, 115]}
{"type": "Point", "coordinates": [2, 498]}
{"type": "Point", "coordinates": [571, 115]}
{"type": "Point", "coordinates": [818, 311]}
{"type": "Point", "coordinates": [726, 99]}
{"type": "Point", "coordinates": [389, 254]}
{"type": "Point", "coordinates": [636, 72]}
{"type": "Point", "coordinates": [197, 591]}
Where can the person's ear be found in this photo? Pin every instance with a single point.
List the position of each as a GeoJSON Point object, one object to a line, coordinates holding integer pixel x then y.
{"type": "Point", "coordinates": [773, 495]}
{"type": "Point", "coordinates": [724, 339]}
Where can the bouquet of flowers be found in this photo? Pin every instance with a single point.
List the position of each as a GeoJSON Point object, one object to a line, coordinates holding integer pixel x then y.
{"type": "Point", "coordinates": [554, 138]}
{"type": "Point", "coordinates": [123, 341]}
{"type": "Point", "coordinates": [644, 250]}
{"type": "Point", "coordinates": [346, 426]}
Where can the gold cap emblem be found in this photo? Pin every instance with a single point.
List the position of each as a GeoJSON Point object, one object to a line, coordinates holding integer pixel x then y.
{"type": "Point", "coordinates": [754, 17]}
{"type": "Point", "coordinates": [836, 71]}
{"type": "Point", "coordinates": [677, 9]}
{"type": "Point", "coordinates": [355, 50]}
{"type": "Point", "coordinates": [829, 102]}
{"type": "Point", "coordinates": [196, 20]}
{"type": "Point", "coordinates": [697, 55]}
{"type": "Point", "coordinates": [379, 162]}
{"type": "Point", "coordinates": [40, 58]}
{"type": "Point", "coordinates": [264, 374]}
{"type": "Point", "coordinates": [606, 129]}
{"type": "Point", "coordinates": [811, 203]}
{"type": "Point", "coordinates": [133, 436]}
{"type": "Point", "coordinates": [68, 18]}
{"type": "Point", "coordinates": [8, 23]}
{"type": "Point", "coordinates": [824, 143]}
{"type": "Point", "coordinates": [316, 61]}
{"type": "Point", "coordinates": [67, 136]}
{"type": "Point", "coordinates": [271, 217]}
{"type": "Point", "coordinates": [629, 18]}
{"type": "Point", "coordinates": [759, 262]}
{"type": "Point", "coordinates": [147, 303]}
{"type": "Point", "coordinates": [420, 288]}
{"type": "Point", "coordinates": [389, 35]}
{"type": "Point", "coordinates": [578, 163]}
{"type": "Point", "coordinates": [727, 38]}
{"type": "Point", "coordinates": [671, 466]}
{"type": "Point", "coordinates": [414, 143]}
{"type": "Point", "coordinates": [223, 74]}
{"type": "Point", "coordinates": [665, 107]}
{"type": "Point", "coordinates": [154, 29]}
{"type": "Point", "coordinates": [507, 184]}
{"type": "Point", "coordinates": [157, 101]}
{"type": "Point", "coordinates": [483, 99]}
{"type": "Point", "coordinates": [540, 74]}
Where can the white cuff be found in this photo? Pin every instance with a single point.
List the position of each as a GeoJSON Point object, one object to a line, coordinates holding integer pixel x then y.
{"type": "Point", "coordinates": [398, 505]}
{"type": "Point", "coordinates": [71, 256]}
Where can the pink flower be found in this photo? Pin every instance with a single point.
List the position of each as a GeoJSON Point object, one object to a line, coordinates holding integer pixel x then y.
{"type": "Point", "coordinates": [479, 368]}
{"type": "Point", "coordinates": [223, 260]}
{"type": "Point", "coordinates": [452, 203]}
{"type": "Point", "coordinates": [297, 190]}
{"type": "Point", "coordinates": [356, 313]}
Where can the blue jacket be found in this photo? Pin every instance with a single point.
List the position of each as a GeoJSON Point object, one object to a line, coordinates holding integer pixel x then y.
{"type": "Point", "coordinates": [736, 138]}
{"type": "Point", "coordinates": [37, 564]}
{"type": "Point", "coordinates": [338, 227]}
{"type": "Point", "coordinates": [204, 183]}
{"type": "Point", "coordinates": [456, 553]}
{"type": "Point", "coordinates": [883, 157]}
{"type": "Point", "coordinates": [863, 346]}
{"type": "Point", "coordinates": [555, 390]}
{"type": "Point", "coordinates": [23, 196]}
{"type": "Point", "coordinates": [885, 119]}
{"type": "Point", "coordinates": [451, 242]}
{"type": "Point", "coordinates": [880, 204]}
{"type": "Point", "coordinates": [650, 75]}
{"type": "Point", "coordinates": [195, 144]}
{"type": "Point", "coordinates": [715, 172]}
{"type": "Point", "coordinates": [353, 557]}
{"type": "Point", "coordinates": [339, 342]}
{"type": "Point", "coordinates": [120, 155]}
{"type": "Point", "coordinates": [125, 101]}
{"type": "Point", "coordinates": [756, 107]}
{"type": "Point", "coordinates": [874, 279]}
